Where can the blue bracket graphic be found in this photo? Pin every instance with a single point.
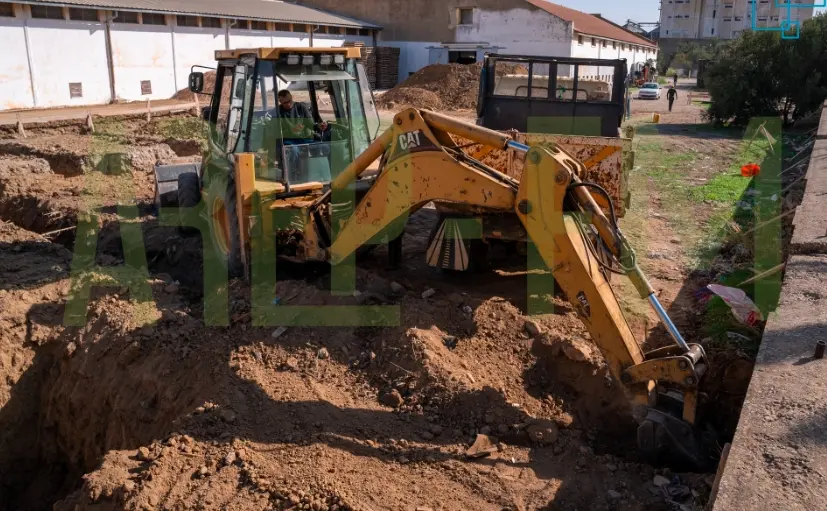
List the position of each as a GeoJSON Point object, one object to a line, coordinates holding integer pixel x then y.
{"type": "Point", "coordinates": [789, 28]}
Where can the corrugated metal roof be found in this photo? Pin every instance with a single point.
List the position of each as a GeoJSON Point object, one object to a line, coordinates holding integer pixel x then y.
{"type": "Point", "coordinates": [269, 10]}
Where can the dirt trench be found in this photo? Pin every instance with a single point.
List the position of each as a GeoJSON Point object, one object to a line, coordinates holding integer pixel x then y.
{"type": "Point", "coordinates": [150, 405]}
{"type": "Point", "coordinates": [182, 414]}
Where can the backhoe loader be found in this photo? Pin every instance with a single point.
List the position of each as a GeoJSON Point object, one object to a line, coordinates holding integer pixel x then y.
{"type": "Point", "coordinates": [336, 204]}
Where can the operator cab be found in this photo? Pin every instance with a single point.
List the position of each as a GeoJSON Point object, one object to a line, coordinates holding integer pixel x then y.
{"type": "Point", "coordinates": [305, 113]}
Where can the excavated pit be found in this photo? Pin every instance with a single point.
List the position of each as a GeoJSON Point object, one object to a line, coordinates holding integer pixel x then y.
{"type": "Point", "coordinates": [112, 399]}
{"type": "Point", "coordinates": [118, 414]}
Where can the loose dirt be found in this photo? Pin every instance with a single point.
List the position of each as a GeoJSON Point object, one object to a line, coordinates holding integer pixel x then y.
{"type": "Point", "coordinates": [149, 405]}
{"type": "Point", "coordinates": [441, 87]}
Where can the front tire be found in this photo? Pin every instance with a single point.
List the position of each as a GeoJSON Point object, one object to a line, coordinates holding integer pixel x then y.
{"type": "Point", "coordinates": [222, 216]}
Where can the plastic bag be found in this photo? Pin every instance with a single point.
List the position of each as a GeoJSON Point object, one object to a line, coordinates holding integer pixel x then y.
{"type": "Point", "coordinates": [742, 307]}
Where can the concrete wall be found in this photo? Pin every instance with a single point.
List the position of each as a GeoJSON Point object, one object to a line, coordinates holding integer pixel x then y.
{"type": "Point", "coordinates": [608, 49]}
{"type": "Point", "coordinates": [63, 52]}
{"type": "Point", "coordinates": [195, 46]}
{"type": "Point", "coordinates": [422, 20]}
{"type": "Point", "coordinates": [14, 66]}
{"type": "Point", "coordinates": [142, 53]}
{"type": "Point", "coordinates": [779, 453]}
{"type": "Point", "coordinates": [519, 31]}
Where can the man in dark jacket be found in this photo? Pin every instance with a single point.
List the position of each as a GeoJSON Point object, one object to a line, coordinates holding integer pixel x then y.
{"type": "Point", "coordinates": [297, 120]}
{"type": "Point", "coordinates": [671, 94]}
{"type": "Point", "coordinates": [297, 127]}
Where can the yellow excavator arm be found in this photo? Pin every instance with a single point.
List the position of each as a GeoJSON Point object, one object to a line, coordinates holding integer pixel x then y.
{"type": "Point", "coordinates": [422, 164]}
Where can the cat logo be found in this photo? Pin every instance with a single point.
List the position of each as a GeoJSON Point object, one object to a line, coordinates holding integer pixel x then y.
{"type": "Point", "coordinates": [409, 140]}
{"type": "Point", "coordinates": [412, 142]}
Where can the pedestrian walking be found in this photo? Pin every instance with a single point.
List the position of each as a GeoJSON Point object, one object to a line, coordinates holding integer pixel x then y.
{"type": "Point", "coordinates": [671, 94]}
{"type": "Point", "coordinates": [676, 79]}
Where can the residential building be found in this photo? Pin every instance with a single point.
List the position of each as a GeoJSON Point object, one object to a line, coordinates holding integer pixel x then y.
{"type": "Point", "coordinates": [442, 31]}
{"type": "Point", "coordinates": [78, 52]}
{"type": "Point", "coordinates": [726, 19]}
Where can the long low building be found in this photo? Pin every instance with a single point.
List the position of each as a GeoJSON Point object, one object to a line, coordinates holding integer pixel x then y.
{"type": "Point", "coordinates": [443, 31]}
{"type": "Point", "coordinates": [81, 52]}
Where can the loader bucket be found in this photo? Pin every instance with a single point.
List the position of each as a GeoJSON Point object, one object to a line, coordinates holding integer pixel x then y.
{"type": "Point", "coordinates": [166, 182]}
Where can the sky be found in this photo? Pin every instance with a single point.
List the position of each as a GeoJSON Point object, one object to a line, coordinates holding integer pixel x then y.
{"type": "Point", "coordinates": [642, 11]}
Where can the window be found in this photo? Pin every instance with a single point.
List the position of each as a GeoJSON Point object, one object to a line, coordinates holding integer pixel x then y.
{"type": "Point", "coordinates": [47, 12]}
{"type": "Point", "coordinates": [154, 19]}
{"type": "Point", "coordinates": [299, 27]}
{"type": "Point", "coordinates": [604, 43]}
{"type": "Point", "coordinates": [462, 57]}
{"type": "Point", "coordinates": [232, 88]}
{"type": "Point", "coordinates": [211, 22]}
{"type": "Point", "coordinates": [126, 17]}
{"type": "Point", "coordinates": [580, 40]}
{"type": "Point", "coordinates": [594, 42]}
{"type": "Point", "coordinates": [75, 90]}
{"type": "Point", "coordinates": [282, 27]}
{"type": "Point", "coordinates": [614, 45]}
{"type": "Point", "coordinates": [187, 21]}
{"type": "Point", "coordinates": [352, 31]}
{"type": "Point", "coordinates": [331, 99]}
{"type": "Point", "coordinates": [364, 31]}
{"type": "Point", "coordinates": [465, 16]}
{"type": "Point", "coordinates": [240, 24]}
{"type": "Point", "coordinates": [76, 14]}
{"type": "Point", "coordinates": [258, 25]}
{"type": "Point", "coordinates": [7, 10]}
{"type": "Point", "coordinates": [513, 81]}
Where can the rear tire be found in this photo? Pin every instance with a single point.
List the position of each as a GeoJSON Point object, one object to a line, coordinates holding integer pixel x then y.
{"type": "Point", "coordinates": [189, 196]}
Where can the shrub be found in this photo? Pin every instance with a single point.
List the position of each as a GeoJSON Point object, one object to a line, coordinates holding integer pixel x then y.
{"type": "Point", "coordinates": [761, 74]}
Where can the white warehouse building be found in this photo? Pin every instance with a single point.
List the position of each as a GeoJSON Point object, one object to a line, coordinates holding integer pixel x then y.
{"type": "Point", "coordinates": [82, 52]}
{"type": "Point", "coordinates": [463, 31]}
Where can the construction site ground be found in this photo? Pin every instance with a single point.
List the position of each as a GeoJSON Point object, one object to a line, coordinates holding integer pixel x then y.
{"type": "Point", "coordinates": [148, 406]}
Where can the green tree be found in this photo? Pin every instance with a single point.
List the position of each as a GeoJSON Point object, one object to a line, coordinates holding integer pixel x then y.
{"type": "Point", "coordinates": [688, 54]}
{"type": "Point", "coordinates": [762, 74]}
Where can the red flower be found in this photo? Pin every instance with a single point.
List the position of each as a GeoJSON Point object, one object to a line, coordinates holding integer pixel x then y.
{"type": "Point", "coordinates": [750, 170]}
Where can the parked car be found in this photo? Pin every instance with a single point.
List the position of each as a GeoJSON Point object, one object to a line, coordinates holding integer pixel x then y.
{"type": "Point", "coordinates": [649, 90]}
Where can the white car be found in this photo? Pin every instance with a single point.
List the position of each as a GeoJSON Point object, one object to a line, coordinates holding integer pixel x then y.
{"type": "Point", "coordinates": [649, 90]}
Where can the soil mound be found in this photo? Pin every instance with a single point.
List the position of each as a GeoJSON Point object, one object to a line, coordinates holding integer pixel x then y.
{"type": "Point", "coordinates": [443, 86]}
{"type": "Point", "coordinates": [438, 86]}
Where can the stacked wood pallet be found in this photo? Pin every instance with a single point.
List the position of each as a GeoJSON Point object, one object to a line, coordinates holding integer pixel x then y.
{"type": "Point", "coordinates": [387, 67]}
{"type": "Point", "coordinates": [381, 64]}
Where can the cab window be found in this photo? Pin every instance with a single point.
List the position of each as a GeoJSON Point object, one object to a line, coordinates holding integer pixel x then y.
{"type": "Point", "coordinates": [305, 135]}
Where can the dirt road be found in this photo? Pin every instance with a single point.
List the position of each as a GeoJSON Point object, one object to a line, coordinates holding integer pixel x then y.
{"type": "Point", "coordinates": [148, 406]}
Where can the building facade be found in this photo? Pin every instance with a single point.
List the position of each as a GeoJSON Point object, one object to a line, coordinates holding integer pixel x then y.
{"type": "Point", "coordinates": [727, 19]}
{"type": "Point", "coordinates": [442, 31]}
{"type": "Point", "coordinates": [78, 52]}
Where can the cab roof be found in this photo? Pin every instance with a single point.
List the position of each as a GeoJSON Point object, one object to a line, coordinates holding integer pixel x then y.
{"type": "Point", "coordinates": [276, 53]}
